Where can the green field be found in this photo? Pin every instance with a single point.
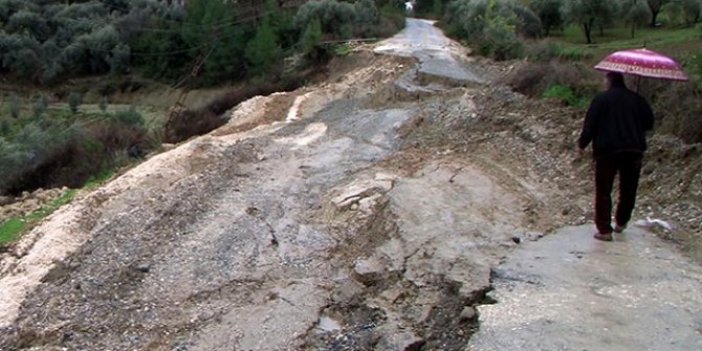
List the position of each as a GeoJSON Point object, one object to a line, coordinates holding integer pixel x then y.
{"type": "Point", "coordinates": [13, 228]}
{"type": "Point", "coordinates": [683, 44]}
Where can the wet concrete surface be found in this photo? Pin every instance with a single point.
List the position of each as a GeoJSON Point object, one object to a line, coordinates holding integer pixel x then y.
{"type": "Point", "coordinates": [250, 242]}
{"type": "Point", "coordinates": [440, 59]}
{"type": "Point", "coordinates": [568, 291]}
{"type": "Point", "coordinates": [301, 236]}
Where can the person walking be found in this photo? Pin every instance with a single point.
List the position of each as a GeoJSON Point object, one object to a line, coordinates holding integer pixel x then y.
{"type": "Point", "coordinates": [616, 124]}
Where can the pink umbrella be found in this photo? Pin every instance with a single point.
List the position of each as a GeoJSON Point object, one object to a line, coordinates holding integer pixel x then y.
{"type": "Point", "coordinates": [643, 63]}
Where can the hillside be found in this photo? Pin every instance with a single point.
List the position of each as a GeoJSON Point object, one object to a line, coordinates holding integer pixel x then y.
{"type": "Point", "coordinates": [369, 211]}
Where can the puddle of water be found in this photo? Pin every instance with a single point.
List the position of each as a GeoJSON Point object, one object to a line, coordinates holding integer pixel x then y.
{"type": "Point", "coordinates": [328, 324]}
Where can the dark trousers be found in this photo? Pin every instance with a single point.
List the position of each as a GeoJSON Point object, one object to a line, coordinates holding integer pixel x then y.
{"type": "Point", "coordinates": [628, 165]}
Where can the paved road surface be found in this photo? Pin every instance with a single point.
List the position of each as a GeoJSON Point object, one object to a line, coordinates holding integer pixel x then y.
{"type": "Point", "coordinates": [439, 56]}
{"type": "Point", "coordinates": [570, 292]}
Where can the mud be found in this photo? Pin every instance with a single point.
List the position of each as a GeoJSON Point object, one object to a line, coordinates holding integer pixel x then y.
{"type": "Point", "coordinates": [568, 291]}
{"type": "Point", "coordinates": [371, 221]}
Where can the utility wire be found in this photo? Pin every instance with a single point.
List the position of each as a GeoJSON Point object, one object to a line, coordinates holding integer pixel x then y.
{"type": "Point", "coordinates": [185, 25]}
{"type": "Point", "coordinates": [250, 10]}
{"type": "Point", "coordinates": [179, 51]}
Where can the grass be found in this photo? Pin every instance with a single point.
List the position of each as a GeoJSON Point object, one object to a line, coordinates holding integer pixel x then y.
{"type": "Point", "coordinates": [676, 42]}
{"type": "Point", "coordinates": [10, 230]}
{"type": "Point", "coordinates": [684, 44]}
{"type": "Point", "coordinates": [99, 179]}
{"type": "Point", "coordinates": [565, 95]}
{"type": "Point", "coordinates": [13, 228]}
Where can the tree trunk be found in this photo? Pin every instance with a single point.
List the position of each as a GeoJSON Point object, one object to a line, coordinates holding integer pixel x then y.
{"type": "Point", "coordinates": [587, 28]}
{"type": "Point", "coordinates": [633, 30]}
{"type": "Point", "coordinates": [654, 16]}
{"type": "Point", "coordinates": [655, 10]}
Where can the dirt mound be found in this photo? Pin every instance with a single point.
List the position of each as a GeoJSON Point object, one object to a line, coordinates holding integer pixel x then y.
{"type": "Point", "coordinates": [370, 219]}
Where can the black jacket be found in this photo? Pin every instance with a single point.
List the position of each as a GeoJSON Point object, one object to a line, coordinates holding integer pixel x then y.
{"type": "Point", "coordinates": [616, 121]}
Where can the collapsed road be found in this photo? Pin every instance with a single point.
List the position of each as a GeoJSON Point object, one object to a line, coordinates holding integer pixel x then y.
{"type": "Point", "coordinates": [329, 231]}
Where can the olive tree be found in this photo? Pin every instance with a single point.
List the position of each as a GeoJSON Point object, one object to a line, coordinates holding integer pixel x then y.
{"type": "Point", "coordinates": [689, 11]}
{"type": "Point", "coordinates": [494, 27]}
{"type": "Point", "coordinates": [634, 13]}
{"type": "Point", "coordinates": [550, 13]}
{"type": "Point", "coordinates": [655, 6]}
{"type": "Point", "coordinates": [587, 14]}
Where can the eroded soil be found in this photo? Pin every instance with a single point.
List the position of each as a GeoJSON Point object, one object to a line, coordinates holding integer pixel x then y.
{"type": "Point", "coordinates": [369, 221]}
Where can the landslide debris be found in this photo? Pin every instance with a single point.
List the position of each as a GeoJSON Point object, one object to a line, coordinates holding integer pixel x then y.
{"type": "Point", "coordinates": [371, 222]}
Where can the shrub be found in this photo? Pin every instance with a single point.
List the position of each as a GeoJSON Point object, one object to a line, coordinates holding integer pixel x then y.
{"type": "Point", "coordinates": [533, 79]}
{"type": "Point", "coordinates": [542, 51]}
{"type": "Point", "coordinates": [500, 41]}
{"type": "Point", "coordinates": [40, 105]}
{"type": "Point", "coordinates": [565, 95]}
{"type": "Point", "coordinates": [55, 153]}
{"type": "Point", "coordinates": [129, 117]}
{"type": "Point", "coordinates": [528, 24]}
{"type": "Point", "coordinates": [12, 160]}
{"type": "Point", "coordinates": [493, 26]}
{"type": "Point", "coordinates": [5, 126]}
{"type": "Point", "coordinates": [339, 20]}
{"type": "Point", "coordinates": [119, 59]}
{"type": "Point", "coordinates": [14, 106]}
{"type": "Point", "coordinates": [573, 53]}
{"type": "Point", "coordinates": [103, 104]}
{"type": "Point", "coordinates": [28, 21]}
{"type": "Point", "coordinates": [389, 24]}
{"type": "Point", "coordinates": [678, 107]}
{"type": "Point", "coordinates": [26, 63]}
{"type": "Point", "coordinates": [74, 101]}
{"type": "Point", "coordinates": [343, 49]}
{"type": "Point", "coordinates": [43, 40]}
{"type": "Point", "coordinates": [546, 50]}
{"type": "Point", "coordinates": [427, 8]}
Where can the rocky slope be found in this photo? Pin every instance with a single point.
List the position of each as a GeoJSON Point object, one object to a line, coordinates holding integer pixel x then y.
{"type": "Point", "coordinates": [362, 213]}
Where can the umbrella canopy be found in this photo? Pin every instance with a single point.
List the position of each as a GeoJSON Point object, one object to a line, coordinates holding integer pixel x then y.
{"type": "Point", "coordinates": [643, 63]}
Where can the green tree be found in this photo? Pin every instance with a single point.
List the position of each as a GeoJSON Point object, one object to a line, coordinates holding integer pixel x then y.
{"type": "Point", "coordinates": [311, 36]}
{"type": "Point", "coordinates": [438, 8]}
{"type": "Point", "coordinates": [213, 31]}
{"type": "Point", "coordinates": [655, 6]}
{"type": "Point", "coordinates": [262, 51]}
{"type": "Point", "coordinates": [587, 14]}
{"type": "Point", "coordinates": [119, 59]}
{"type": "Point", "coordinates": [689, 10]}
{"type": "Point", "coordinates": [338, 19]}
{"type": "Point", "coordinates": [492, 26]}
{"type": "Point", "coordinates": [634, 13]}
{"type": "Point", "coordinates": [550, 13]}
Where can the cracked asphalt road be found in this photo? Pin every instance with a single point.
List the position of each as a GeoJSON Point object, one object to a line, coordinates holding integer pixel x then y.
{"type": "Point", "coordinates": [331, 233]}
